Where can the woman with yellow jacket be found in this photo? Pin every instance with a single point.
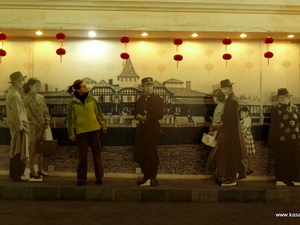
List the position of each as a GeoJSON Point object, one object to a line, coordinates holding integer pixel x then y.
{"type": "Point", "coordinates": [84, 121]}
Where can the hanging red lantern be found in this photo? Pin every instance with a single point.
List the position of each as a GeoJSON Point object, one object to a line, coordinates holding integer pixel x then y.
{"type": "Point", "coordinates": [2, 38]}
{"type": "Point", "coordinates": [177, 42]}
{"type": "Point", "coordinates": [61, 51]}
{"type": "Point", "coordinates": [125, 40]}
{"type": "Point", "coordinates": [124, 56]}
{"type": "Point", "coordinates": [178, 58]}
{"type": "Point", "coordinates": [268, 55]}
{"type": "Point", "coordinates": [2, 54]}
{"type": "Point", "coordinates": [61, 37]}
{"type": "Point", "coordinates": [226, 42]}
{"type": "Point", "coordinates": [268, 41]}
{"type": "Point", "coordinates": [227, 57]}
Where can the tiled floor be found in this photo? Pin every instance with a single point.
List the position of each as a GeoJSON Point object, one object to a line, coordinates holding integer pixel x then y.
{"type": "Point", "coordinates": [112, 213]}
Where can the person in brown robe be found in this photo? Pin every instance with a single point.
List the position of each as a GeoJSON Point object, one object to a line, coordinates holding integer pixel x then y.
{"type": "Point", "coordinates": [149, 109]}
{"type": "Point", "coordinates": [19, 128]}
{"type": "Point", "coordinates": [284, 135]}
{"type": "Point", "coordinates": [231, 154]}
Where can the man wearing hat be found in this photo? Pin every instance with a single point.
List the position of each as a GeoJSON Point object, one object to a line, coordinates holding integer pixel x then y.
{"type": "Point", "coordinates": [284, 135]}
{"type": "Point", "coordinates": [149, 109]}
{"type": "Point", "coordinates": [18, 126]}
{"type": "Point", "coordinates": [232, 150]}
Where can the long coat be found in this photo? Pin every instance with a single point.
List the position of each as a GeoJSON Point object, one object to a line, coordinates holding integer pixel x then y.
{"type": "Point", "coordinates": [284, 134]}
{"type": "Point", "coordinates": [38, 118]}
{"type": "Point", "coordinates": [147, 133]}
{"type": "Point", "coordinates": [232, 151]}
{"type": "Point", "coordinates": [18, 125]}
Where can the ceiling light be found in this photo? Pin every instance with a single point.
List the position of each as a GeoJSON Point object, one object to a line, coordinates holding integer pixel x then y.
{"type": "Point", "coordinates": [243, 35]}
{"type": "Point", "coordinates": [194, 35]}
{"type": "Point", "coordinates": [39, 33]}
{"type": "Point", "coordinates": [92, 34]}
{"type": "Point", "coordinates": [144, 34]}
{"type": "Point", "coordinates": [291, 36]}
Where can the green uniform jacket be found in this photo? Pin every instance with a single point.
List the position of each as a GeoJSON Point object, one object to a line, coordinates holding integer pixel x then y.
{"type": "Point", "coordinates": [85, 117]}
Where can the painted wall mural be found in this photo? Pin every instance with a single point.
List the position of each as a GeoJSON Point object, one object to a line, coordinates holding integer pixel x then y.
{"type": "Point", "coordinates": [186, 92]}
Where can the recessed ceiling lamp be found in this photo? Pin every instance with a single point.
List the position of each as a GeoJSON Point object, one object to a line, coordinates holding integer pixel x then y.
{"type": "Point", "coordinates": [39, 32]}
{"type": "Point", "coordinates": [291, 36]}
{"type": "Point", "coordinates": [144, 34]}
{"type": "Point", "coordinates": [194, 35]}
{"type": "Point", "coordinates": [92, 34]}
{"type": "Point", "coordinates": [243, 35]}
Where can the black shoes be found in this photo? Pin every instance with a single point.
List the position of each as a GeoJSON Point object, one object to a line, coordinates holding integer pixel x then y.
{"type": "Point", "coordinates": [99, 181]}
{"type": "Point", "coordinates": [153, 182]}
{"type": "Point", "coordinates": [288, 183]}
{"type": "Point", "coordinates": [35, 177]}
{"type": "Point", "coordinates": [142, 181]}
{"type": "Point", "coordinates": [42, 174]}
{"type": "Point", "coordinates": [80, 183]}
{"type": "Point", "coordinates": [249, 172]}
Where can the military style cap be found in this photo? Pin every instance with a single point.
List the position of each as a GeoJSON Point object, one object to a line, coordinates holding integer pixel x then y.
{"type": "Point", "coordinates": [147, 80]}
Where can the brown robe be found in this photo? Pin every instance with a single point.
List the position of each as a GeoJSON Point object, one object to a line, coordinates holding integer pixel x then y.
{"type": "Point", "coordinates": [232, 150]}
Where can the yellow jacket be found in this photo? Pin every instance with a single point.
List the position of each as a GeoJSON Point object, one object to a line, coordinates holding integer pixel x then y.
{"type": "Point", "coordinates": [85, 117]}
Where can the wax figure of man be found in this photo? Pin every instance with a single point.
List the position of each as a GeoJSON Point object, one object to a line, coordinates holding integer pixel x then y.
{"type": "Point", "coordinates": [232, 150]}
{"type": "Point", "coordinates": [149, 109]}
{"type": "Point", "coordinates": [284, 135]}
{"type": "Point", "coordinates": [19, 128]}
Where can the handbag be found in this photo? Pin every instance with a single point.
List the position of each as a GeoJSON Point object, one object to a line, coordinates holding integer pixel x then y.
{"type": "Point", "coordinates": [210, 139]}
{"type": "Point", "coordinates": [46, 147]}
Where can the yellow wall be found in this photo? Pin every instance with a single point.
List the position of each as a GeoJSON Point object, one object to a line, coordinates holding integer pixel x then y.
{"type": "Point", "coordinates": [202, 63]}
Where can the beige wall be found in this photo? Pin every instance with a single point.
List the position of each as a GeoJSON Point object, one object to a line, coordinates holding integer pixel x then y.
{"type": "Point", "coordinates": [202, 64]}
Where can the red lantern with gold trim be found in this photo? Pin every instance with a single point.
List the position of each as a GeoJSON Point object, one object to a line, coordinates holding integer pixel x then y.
{"type": "Point", "coordinates": [2, 54]}
{"type": "Point", "coordinates": [61, 37]}
{"type": "Point", "coordinates": [177, 42]}
{"type": "Point", "coordinates": [124, 56]}
{"type": "Point", "coordinates": [178, 58]}
{"type": "Point", "coordinates": [125, 40]}
{"type": "Point", "coordinates": [2, 38]}
{"type": "Point", "coordinates": [61, 51]}
{"type": "Point", "coordinates": [226, 42]}
{"type": "Point", "coordinates": [227, 57]}
{"type": "Point", "coordinates": [268, 41]}
{"type": "Point", "coordinates": [268, 55]}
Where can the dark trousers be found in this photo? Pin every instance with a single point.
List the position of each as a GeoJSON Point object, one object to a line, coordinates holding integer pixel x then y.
{"type": "Point", "coordinates": [149, 168]}
{"type": "Point", "coordinates": [83, 141]}
{"type": "Point", "coordinates": [17, 167]}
